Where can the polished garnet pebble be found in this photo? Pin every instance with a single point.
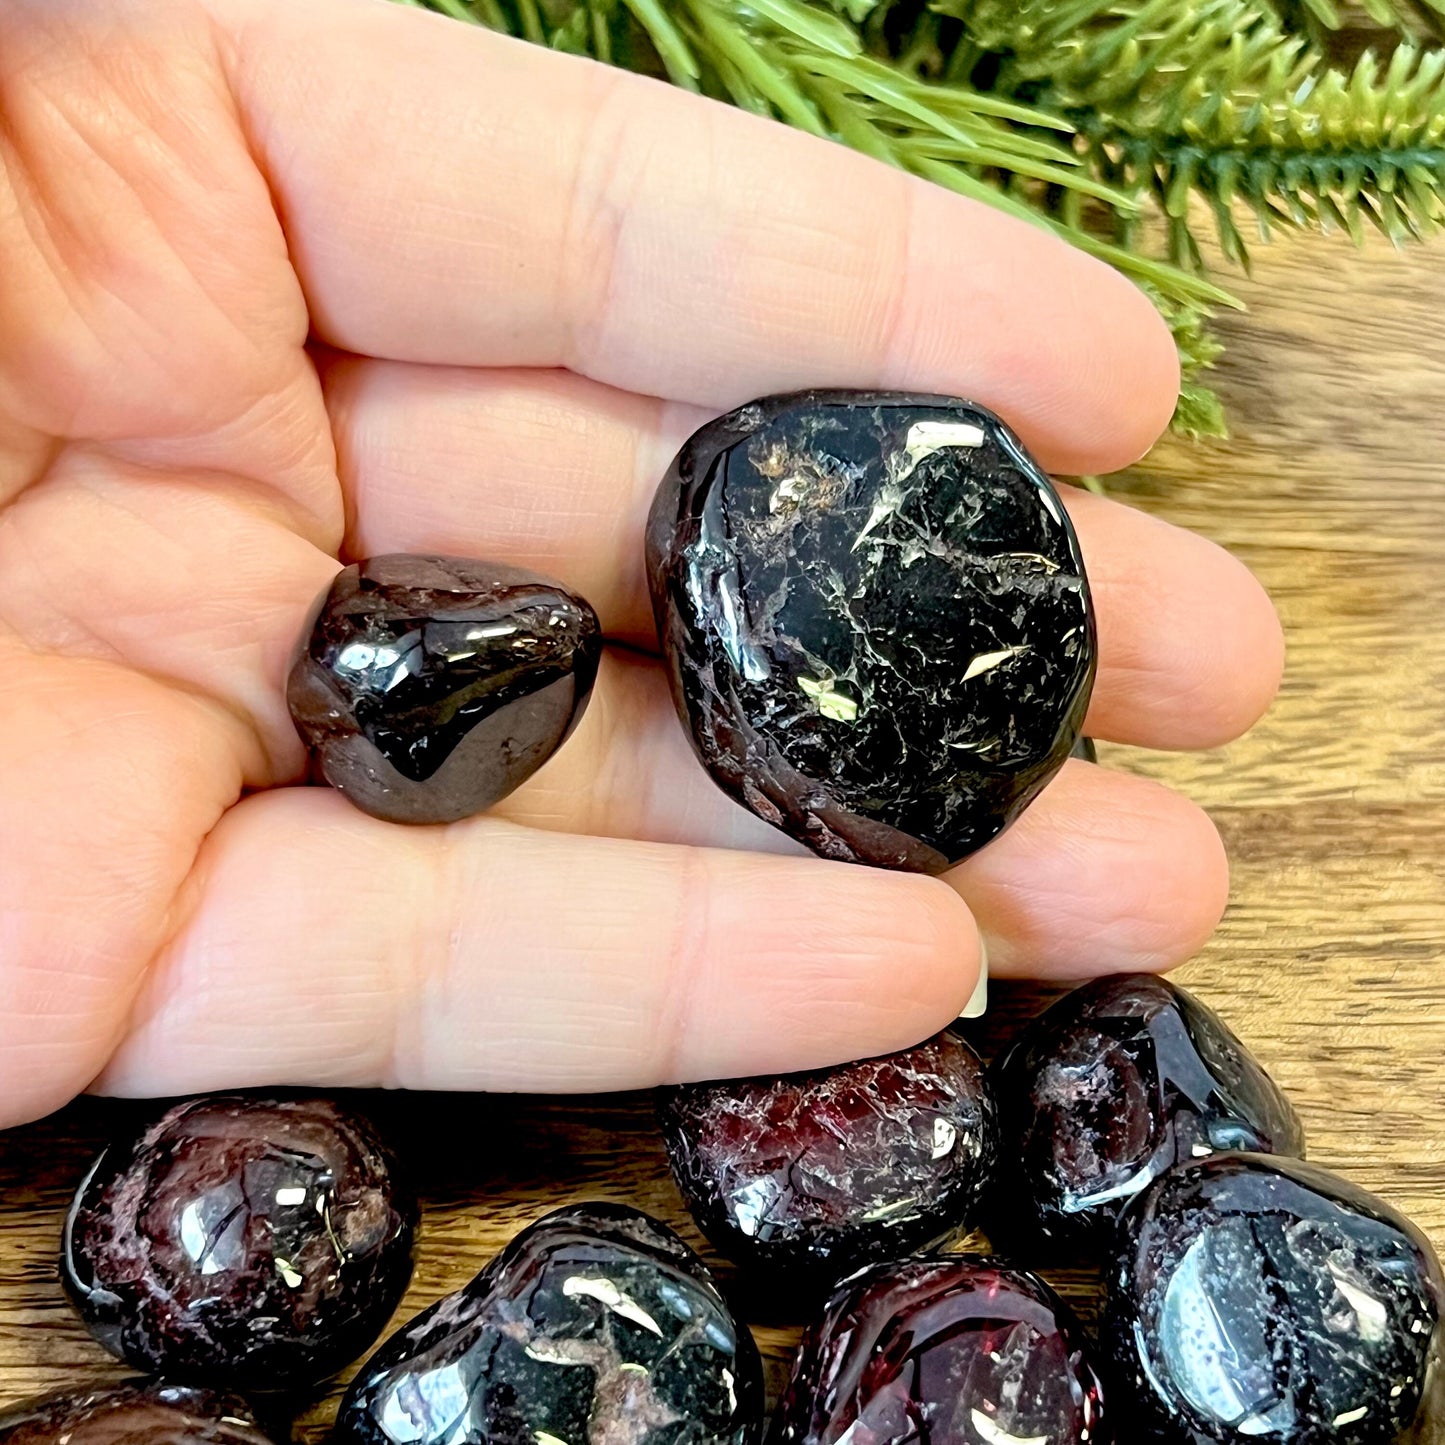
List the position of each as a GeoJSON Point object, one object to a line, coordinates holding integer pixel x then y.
{"type": "Point", "coordinates": [260, 1243]}
{"type": "Point", "coordinates": [1107, 1089]}
{"type": "Point", "coordinates": [134, 1414]}
{"type": "Point", "coordinates": [596, 1326]}
{"type": "Point", "coordinates": [804, 1177]}
{"type": "Point", "coordinates": [874, 613]}
{"type": "Point", "coordinates": [431, 687]}
{"type": "Point", "coordinates": [1256, 1300]}
{"type": "Point", "coordinates": [954, 1350]}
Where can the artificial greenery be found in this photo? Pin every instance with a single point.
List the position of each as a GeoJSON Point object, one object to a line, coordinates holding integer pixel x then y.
{"type": "Point", "coordinates": [1123, 125]}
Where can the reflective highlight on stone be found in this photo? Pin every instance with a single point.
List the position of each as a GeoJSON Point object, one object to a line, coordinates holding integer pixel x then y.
{"type": "Point", "coordinates": [956, 1350]}
{"type": "Point", "coordinates": [260, 1243]}
{"type": "Point", "coordinates": [1104, 1091]}
{"type": "Point", "coordinates": [1262, 1301]}
{"type": "Point", "coordinates": [874, 613]}
{"type": "Point", "coordinates": [596, 1326]}
{"type": "Point", "coordinates": [805, 1177]}
{"type": "Point", "coordinates": [431, 687]}
{"type": "Point", "coordinates": [133, 1414]}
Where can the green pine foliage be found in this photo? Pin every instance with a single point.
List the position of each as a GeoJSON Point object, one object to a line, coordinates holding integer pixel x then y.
{"type": "Point", "coordinates": [1129, 127]}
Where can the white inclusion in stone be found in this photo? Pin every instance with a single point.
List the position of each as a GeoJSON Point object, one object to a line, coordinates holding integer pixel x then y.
{"type": "Point", "coordinates": [1349, 1417]}
{"type": "Point", "coordinates": [889, 501]}
{"type": "Point", "coordinates": [836, 705]}
{"type": "Point", "coordinates": [291, 1196]}
{"type": "Point", "coordinates": [927, 437]}
{"type": "Point", "coordinates": [607, 1293]}
{"type": "Point", "coordinates": [728, 1384]}
{"type": "Point", "coordinates": [752, 1204]}
{"type": "Point", "coordinates": [356, 657]}
{"type": "Point", "coordinates": [987, 661]}
{"type": "Point", "coordinates": [945, 1136]}
{"type": "Point", "coordinates": [443, 1398]}
{"type": "Point", "coordinates": [1371, 1317]}
{"type": "Point", "coordinates": [992, 1432]}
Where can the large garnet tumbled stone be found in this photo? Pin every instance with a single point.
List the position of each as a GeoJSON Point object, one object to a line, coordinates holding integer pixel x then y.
{"type": "Point", "coordinates": [431, 687]}
{"type": "Point", "coordinates": [596, 1326]}
{"type": "Point", "coordinates": [805, 1177]}
{"type": "Point", "coordinates": [954, 1350]}
{"type": "Point", "coordinates": [874, 613]}
{"type": "Point", "coordinates": [1262, 1301]}
{"type": "Point", "coordinates": [260, 1243]}
{"type": "Point", "coordinates": [149, 1414]}
{"type": "Point", "coordinates": [1107, 1089]}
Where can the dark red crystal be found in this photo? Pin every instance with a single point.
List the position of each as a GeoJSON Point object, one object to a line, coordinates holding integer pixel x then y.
{"type": "Point", "coordinates": [1262, 1301]}
{"type": "Point", "coordinates": [805, 1177]}
{"type": "Point", "coordinates": [431, 687]}
{"type": "Point", "coordinates": [953, 1350]}
{"type": "Point", "coordinates": [258, 1243]}
{"type": "Point", "coordinates": [595, 1326]}
{"type": "Point", "coordinates": [1108, 1088]}
{"type": "Point", "coordinates": [135, 1414]}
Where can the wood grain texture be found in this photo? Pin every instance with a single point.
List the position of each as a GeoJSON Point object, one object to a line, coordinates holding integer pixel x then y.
{"type": "Point", "coordinates": [1329, 962]}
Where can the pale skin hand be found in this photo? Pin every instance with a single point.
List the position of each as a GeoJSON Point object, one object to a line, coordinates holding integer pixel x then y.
{"type": "Point", "coordinates": [282, 283]}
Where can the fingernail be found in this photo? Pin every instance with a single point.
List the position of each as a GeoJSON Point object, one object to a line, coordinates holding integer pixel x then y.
{"type": "Point", "coordinates": [977, 1004]}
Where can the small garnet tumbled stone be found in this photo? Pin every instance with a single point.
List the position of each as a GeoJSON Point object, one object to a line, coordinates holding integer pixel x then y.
{"type": "Point", "coordinates": [431, 687]}
{"type": "Point", "coordinates": [1107, 1089]}
{"type": "Point", "coordinates": [805, 1177]}
{"type": "Point", "coordinates": [955, 1350]}
{"type": "Point", "coordinates": [259, 1243]}
{"type": "Point", "coordinates": [874, 613]}
{"type": "Point", "coordinates": [1261, 1301]}
{"type": "Point", "coordinates": [596, 1326]}
{"type": "Point", "coordinates": [135, 1414]}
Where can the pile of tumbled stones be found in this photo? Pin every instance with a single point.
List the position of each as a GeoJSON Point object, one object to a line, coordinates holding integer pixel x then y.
{"type": "Point", "coordinates": [877, 627]}
{"type": "Point", "coordinates": [247, 1244]}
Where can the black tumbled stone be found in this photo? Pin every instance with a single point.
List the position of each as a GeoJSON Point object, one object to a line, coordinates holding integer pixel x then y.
{"type": "Point", "coordinates": [1256, 1300]}
{"type": "Point", "coordinates": [874, 613]}
{"type": "Point", "coordinates": [802, 1178]}
{"type": "Point", "coordinates": [1108, 1088]}
{"type": "Point", "coordinates": [252, 1242]}
{"type": "Point", "coordinates": [154, 1413]}
{"type": "Point", "coordinates": [955, 1350]}
{"type": "Point", "coordinates": [431, 687]}
{"type": "Point", "coordinates": [596, 1326]}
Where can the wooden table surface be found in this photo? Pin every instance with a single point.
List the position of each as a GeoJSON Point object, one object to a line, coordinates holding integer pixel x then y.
{"type": "Point", "coordinates": [1329, 961]}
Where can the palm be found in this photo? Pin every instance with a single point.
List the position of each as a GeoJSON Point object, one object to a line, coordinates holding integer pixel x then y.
{"type": "Point", "coordinates": [187, 194]}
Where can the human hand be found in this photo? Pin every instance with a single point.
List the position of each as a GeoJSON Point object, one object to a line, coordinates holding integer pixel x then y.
{"type": "Point", "coordinates": [284, 282]}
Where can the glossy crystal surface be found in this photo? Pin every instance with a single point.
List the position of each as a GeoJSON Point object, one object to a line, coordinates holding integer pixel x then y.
{"type": "Point", "coordinates": [804, 1177]}
{"type": "Point", "coordinates": [258, 1243]}
{"type": "Point", "coordinates": [1104, 1091]}
{"type": "Point", "coordinates": [431, 687]}
{"type": "Point", "coordinates": [955, 1350]}
{"type": "Point", "coordinates": [1262, 1301]}
{"type": "Point", "coordinates": [596, 1326]}
{"type": "Point", "coordinates": [875, 618]}
{"type": "Point", "coordinates": [150, 1413]}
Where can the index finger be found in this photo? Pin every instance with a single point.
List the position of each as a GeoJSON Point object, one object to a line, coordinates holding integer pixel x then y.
{"type": "Point", "coordinates": [453, 196]}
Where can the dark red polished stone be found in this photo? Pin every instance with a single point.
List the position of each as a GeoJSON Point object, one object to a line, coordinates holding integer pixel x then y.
{"type": "Point", "coordinates": [595, 1326]}
{"type": "Point", "coordinates": [1107, 1089]}
{"type": "Point", "coordinates": [133, 1414]}
{"type": "Point", "coordinates": [874, 616]}
{"type": "Point", "coordinates": [258, 1243]}
{"type": "Point", "coordinates": [431, 687]}
{"type": "Point", "coordinates": [953, 1350]}
{"type": "Point", "coordinates": [804, 1177]}
{"type": "Point", "coordinates": [1262, 1301]}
